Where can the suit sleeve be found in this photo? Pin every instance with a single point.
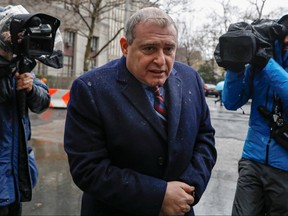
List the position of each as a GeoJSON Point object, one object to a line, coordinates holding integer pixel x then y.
{"type": "Point", "coordinates": [91, 167]}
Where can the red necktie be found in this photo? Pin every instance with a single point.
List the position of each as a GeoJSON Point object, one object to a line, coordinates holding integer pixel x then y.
{"type": "Point", "coordinates": [159, 104]}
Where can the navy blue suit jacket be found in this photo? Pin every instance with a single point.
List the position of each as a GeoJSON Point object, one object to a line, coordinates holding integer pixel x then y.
{"type": "Point", "coordinates": [119, 153]}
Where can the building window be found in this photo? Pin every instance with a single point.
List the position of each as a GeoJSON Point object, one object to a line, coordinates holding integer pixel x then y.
{"type": "Point", "coordinates": [94, 44]}
{"type": "Point", "coordinates": [67, 6]}
{"type": "Point", "coordinates": [93, 63]}
{"type": "Point", "coordinates": [69, 38]}
{"type": "Point", "coordinates": [68, 66]}
{"type": "Point", "coordinates": [94, 48]}
{"type": "Point", "coordinates": [42, 69]}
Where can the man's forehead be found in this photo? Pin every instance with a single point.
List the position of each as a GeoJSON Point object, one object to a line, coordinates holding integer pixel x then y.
{"type": "Point", "coordinates": [154, 28]}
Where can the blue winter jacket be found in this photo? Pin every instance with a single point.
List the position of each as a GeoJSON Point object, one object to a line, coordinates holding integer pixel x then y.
{"type": "Point", "coordinates": [261, 87]}
{"type": "Point", "coordinates": [37, 100]}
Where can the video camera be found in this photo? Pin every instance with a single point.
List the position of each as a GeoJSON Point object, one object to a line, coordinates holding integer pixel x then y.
{"type": "Point", "coordinates": [28, 36]}
{"type": "Point", "coordinates": [25, 38]}
{"type": "Point", "coordinates": [240, 44]}
{"type": "Point", "coordinates": [38, 34]}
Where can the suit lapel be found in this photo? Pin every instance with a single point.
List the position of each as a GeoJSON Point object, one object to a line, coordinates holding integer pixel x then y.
{"type": "Point", "coordinates": [174, 104]}
{"type": "Point", "coordinates": [134, 92]}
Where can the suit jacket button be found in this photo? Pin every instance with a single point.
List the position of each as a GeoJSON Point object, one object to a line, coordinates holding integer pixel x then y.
{"type": "Point", "coordinates": [161, 161]}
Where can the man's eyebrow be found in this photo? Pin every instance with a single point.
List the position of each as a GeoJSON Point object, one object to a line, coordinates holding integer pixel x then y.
{"type": "Point", "coordinates": [156, 43]}
{"type": "Point", "coordinates": [150, 44]}
{"type": "Point", "coordinates": [170, 44]}
{"type": "Point", "coordinates": [147, 44]}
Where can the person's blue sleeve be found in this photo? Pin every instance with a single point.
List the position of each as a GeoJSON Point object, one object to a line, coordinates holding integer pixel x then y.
{"type": "Point", "coordinates": [237, 89]}
{"type": "Point", "coordinates": [277, 78]}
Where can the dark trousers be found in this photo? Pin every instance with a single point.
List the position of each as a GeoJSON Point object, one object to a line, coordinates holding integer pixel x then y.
{"type": "Point", "coordinates": [14, 209]}
{"type": "Point", "coordinates": [261, 190]}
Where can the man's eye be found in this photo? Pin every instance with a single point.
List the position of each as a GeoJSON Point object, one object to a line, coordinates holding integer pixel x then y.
{"type": "Point", "coordinates": [149, 48]}
{"type": "Point", "coordinates": [169, 49]}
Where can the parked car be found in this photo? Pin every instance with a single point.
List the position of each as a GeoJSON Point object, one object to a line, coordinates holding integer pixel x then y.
{"type": "Point", "coordinates": [210, 89]}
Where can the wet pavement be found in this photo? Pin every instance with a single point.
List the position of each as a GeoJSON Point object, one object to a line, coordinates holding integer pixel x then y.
{"type": "Point", "coordinates": [56, 194]}
{"type": "Point", "coordinates": [231, 128]}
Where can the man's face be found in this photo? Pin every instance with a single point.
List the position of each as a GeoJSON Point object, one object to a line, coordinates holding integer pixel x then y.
{"type": "Point", "coordinates": [151, 56]}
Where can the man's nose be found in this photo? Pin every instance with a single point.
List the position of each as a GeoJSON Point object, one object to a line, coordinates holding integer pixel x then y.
{"type": "Point", "coordinates": [160, 58]}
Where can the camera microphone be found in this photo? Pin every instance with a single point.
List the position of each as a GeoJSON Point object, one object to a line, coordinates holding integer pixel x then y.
{"type": "Point", "coordinates": [34, 22]}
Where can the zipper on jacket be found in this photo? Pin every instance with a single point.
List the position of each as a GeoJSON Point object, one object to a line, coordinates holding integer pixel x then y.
{"type": "Point", "coordinates": [269, 141]}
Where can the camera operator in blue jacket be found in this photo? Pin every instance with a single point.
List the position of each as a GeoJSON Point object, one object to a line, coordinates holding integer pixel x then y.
{"type": "Point", "coordinates": [12, 189]}
{"type": "Point", "coordinates": [262, 187]}
{"type": "Point", "coordinates": [18, 169]}
{"type": "Point", "coordinates": [21, 38]}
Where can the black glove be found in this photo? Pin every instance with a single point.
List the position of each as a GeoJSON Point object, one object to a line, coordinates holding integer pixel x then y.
{"type": "Point", "coordinates": [261, 58]}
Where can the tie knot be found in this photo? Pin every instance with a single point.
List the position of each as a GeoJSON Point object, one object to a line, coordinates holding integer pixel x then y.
{"type": "Point", "coordinates": [156, 90]}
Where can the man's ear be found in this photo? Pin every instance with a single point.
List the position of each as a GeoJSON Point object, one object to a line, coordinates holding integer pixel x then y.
{"type": "Point", "coordinates": [124, 46]}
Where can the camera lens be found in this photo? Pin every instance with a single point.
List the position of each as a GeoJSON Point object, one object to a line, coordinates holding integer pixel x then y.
{"type": "Point", "coordinates": [237, 49]}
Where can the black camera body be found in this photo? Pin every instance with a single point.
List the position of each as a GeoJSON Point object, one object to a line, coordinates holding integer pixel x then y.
{"type": "Point", "coordinates": [38, 34]}
{"type": "Point", "coordinates": [240, 44]}
{"type": "Point", "coordinates": [38, 42]}
{"type": "Point", "coordinates": [26, 37]}
{"type": "Point", "coordinates": [33, 37]}
{"type": "Point", "coordinates": [237, 48]}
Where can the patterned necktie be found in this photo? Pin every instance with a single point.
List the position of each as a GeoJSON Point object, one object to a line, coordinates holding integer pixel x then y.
{"type": "Point", "coordinates": [159, 104]}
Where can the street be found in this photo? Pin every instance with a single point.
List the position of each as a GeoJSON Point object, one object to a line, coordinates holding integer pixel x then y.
{"type": "Point", "coordinates": [56, 194]}
{"type": "Point", "coordinates": [231, 128]}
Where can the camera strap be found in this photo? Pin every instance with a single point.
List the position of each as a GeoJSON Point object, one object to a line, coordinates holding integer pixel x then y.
{"type": "Point", "coordinates": [278, 107]}
{"type": "Point", "coordinates": [275, 118]}
{"type": "Point", "coordinates": [279, 128]}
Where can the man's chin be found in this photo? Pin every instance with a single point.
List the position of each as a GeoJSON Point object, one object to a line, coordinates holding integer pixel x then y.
{"type": "Point", "coordinates": [156, 82]}
{"type": "Point", "coordinates": [159, 79]}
